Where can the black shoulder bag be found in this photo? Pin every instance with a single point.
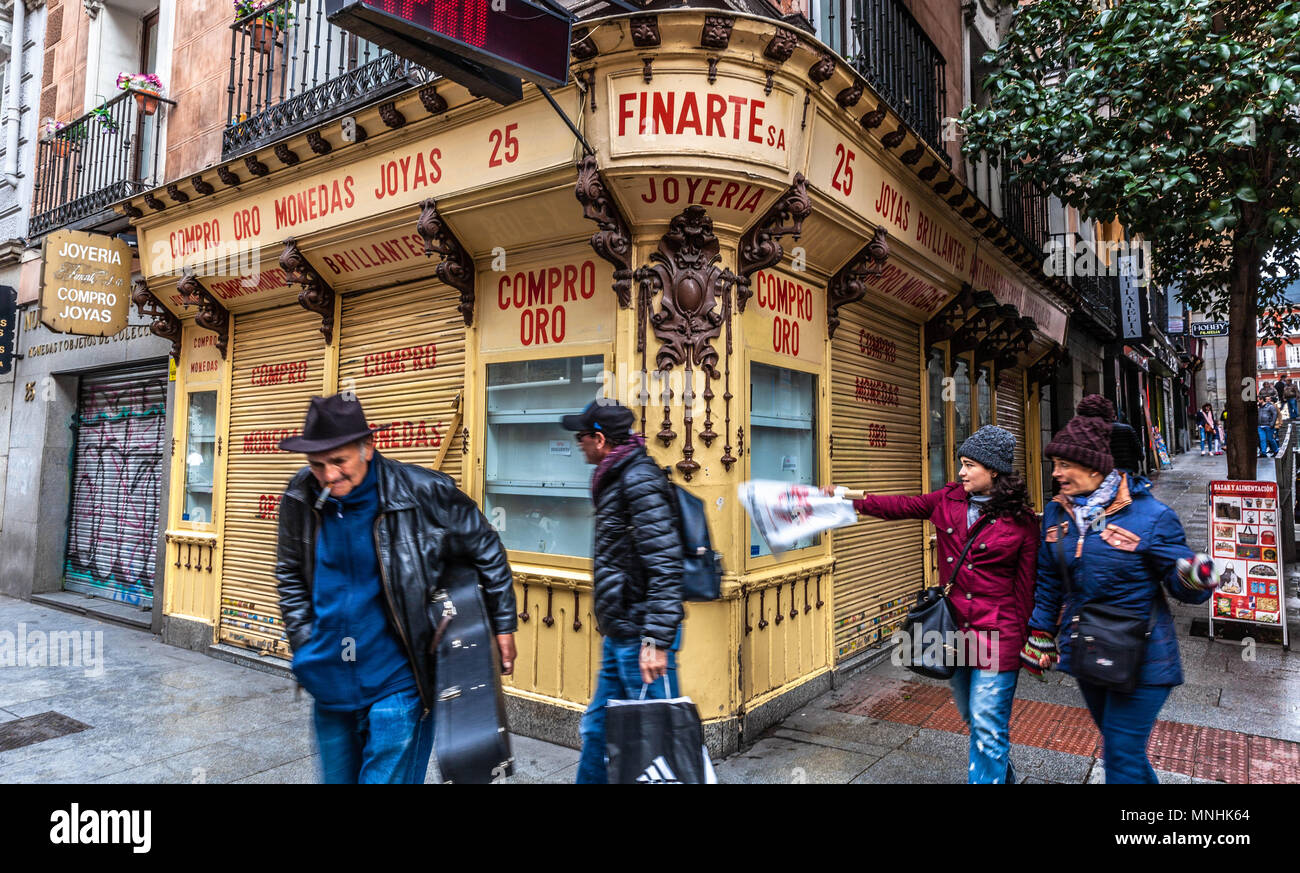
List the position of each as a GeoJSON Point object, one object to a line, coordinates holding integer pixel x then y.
{"type": "Point", "coordinates": [932, 614]}
{"type": "Point", "coordinates": [1106, 643]}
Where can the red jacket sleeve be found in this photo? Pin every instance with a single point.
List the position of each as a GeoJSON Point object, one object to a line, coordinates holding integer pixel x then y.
{"type": "Point", "coordinates": [1027, 572]}
{"type": "Point", "coordinates": [896, 506]}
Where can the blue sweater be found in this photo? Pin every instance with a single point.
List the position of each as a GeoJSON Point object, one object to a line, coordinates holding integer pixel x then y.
{"type": "Point", "coordinates": [353, 657]}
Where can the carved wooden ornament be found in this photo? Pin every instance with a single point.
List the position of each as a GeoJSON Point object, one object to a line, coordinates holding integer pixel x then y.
{"type": "Point", "coordinates": [316, 295]}
{"type": "Point", "coordinates": [165, 324]}
{"type": "Point", "coordinates": [211, 315]}
{"type": "Point", "coordinates": [613, 241]}
{"type": "Point", "coordinates": [760, 247]}
{"type": "Point", "coordinates": [456, 267]}
{"type": "Point", "coordinates": [849, 285]}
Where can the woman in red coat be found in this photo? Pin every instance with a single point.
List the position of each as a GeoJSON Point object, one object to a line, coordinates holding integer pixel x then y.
{"type": "Point", "coordinates": [993, 592]}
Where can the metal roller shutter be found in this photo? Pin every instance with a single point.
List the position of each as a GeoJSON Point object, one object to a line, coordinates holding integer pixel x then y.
{"type": "Point", "coordinates": [403, 352]}
{"type": "Point", "coordinates": [876, 427]}
{"type": "Point", "coordinates": [278, 364]}
{"type": "Point", "coordinates": [1011, 409]}
{"type": "Point", "coordinates": [121, 431]}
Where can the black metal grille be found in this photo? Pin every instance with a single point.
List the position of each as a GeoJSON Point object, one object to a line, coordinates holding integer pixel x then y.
{"type": "Point", "coordinates": [105, 155]}
{"type": "Point", "coordinates": [1082, 266]}
{"type": "Point", "coordinates": [903, 66]}
{"type": "Point", "coordinates": [1024, 211]}
{"type": "Point", "coordinates": [290, 69]}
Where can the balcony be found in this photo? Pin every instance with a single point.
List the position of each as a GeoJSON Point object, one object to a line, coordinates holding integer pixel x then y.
{"type": "Point", "coordinates": [1077, 260]}
{"type": "Point", "coordinates": [1024, 211]}
{"type": "Point", "coordinates": [903, 66]}
{"type": "Point", "coordinates": [108, 154]}
{"type": "Point", "coordinates": [290, 69]}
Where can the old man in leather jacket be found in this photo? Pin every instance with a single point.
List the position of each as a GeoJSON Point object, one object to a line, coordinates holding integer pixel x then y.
{"type": "Point", "coordinates": [363, 542]}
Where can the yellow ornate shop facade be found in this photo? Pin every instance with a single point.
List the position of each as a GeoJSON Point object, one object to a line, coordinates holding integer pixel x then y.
{"type": "Point", "coordinates": [784, 283]}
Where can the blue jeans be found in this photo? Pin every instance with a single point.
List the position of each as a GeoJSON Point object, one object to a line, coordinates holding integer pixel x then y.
{"type": "Point", "coordinates": [1125, 722]}
{"type": "Point", "coordinates": [1293, 406]}
{"type": "Point", "coordinates": [1207, 441]}
{"type": "Point", "coordinates": [389, 743]}
{"type": "Point", "coordinates": [983, 698]}
{"type": "Point", "coordinates": [1267, 441]}
{"type": "Point", "coordinates": [619, 679]}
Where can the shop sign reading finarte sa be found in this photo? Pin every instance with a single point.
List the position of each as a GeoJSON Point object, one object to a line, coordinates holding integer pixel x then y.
{"type": "Point", "coordinates": [85, 283]}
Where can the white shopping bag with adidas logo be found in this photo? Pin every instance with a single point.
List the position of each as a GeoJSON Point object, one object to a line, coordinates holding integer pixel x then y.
{"type": "Point", "coordinates": [656, 742]}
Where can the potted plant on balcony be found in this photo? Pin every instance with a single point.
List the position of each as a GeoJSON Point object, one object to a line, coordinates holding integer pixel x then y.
{"type": "Point", "coordinates": [61, 135]}
{"type": "Point", "coordinates": [265, 27]}
{"type": "Point", "coordinates": [147, 88]}
{"type": "Point", "coordinates": [102, 114]}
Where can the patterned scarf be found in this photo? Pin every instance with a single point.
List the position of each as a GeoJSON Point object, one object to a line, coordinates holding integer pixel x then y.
{"type": "Point", "coordinates": [1089, 507]}
{"type": "Point", "coordinates": [636, 442]}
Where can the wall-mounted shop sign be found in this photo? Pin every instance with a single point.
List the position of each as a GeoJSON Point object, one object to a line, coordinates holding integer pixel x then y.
{"type": "Point", "coordinates": [908, 288]}
{"type": "Point", "coordinates": [786, 316]}
{"type": "Point", "coordinates": [989, 275]}
{"type": "Point", "coordinates": [8, 327]}
{"type": "Point", "coordinates": [658, 197]}
{"type": "Point", "coordinates": [545, 305]}
{"type": "Point", "coordinates": [682, 113]}
{"type": "Point", "coordinates": [1209, 328]}
{"type": "Point", "coordinates": [203, 361]}
{"type": "Point", "coordinates": [517, 142]}
{"type": "Point", "coordinates": [85, 283]}
{"type": "Point", "coordinates": [386, 256]}
{"type": "Point", "coordinates": [1136, 357]}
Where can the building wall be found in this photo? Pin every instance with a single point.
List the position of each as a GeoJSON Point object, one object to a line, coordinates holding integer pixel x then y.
{"type": "Point", "coordinates": [13, 215]}
{"type": "Point", "coordinates": [943, 23]}
{"type": "Point", "coordinates": [199, 80]}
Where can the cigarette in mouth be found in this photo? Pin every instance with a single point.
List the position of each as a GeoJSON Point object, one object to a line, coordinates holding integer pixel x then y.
{"type": "Point", "coordinates": [324, 495]}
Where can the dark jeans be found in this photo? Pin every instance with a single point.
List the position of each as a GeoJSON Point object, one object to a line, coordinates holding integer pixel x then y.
{"type": "Point", "coordinates": [1267, 441]}
{"type": "Point", "coordinates": [1125, 722]}
{"type": "Point", "coordinates": [619, 679]}
{"type": "Point", "coordinates": [389, 743]}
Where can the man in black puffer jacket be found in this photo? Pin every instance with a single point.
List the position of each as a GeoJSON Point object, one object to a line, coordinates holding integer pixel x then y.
{"type": "Point", "coordinates": [636, 571]}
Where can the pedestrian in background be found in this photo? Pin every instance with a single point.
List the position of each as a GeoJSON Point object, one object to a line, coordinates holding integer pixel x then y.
{"type": "Point", "coordinates": [636, 582]}
{"type": "Point", "coordinates": [1267, 421]}
{"type": "Point", "coordinates": [1107, 542]}
{"type": "Point", "coordinates": [993, 591]}
{"type": "Point", "coordinates": [361, 541]}
{"type": "Point", "coordinates": [1205, 423]}
{"type": "Point", "coordinates": [1291, 396]}
{"type": "Point", "coordinates": [1223, 431]}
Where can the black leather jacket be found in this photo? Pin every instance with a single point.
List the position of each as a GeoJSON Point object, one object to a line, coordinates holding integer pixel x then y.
{"type": "Point", "coordinates": [424, 522]}
{"type": "Point", "coordinates": [637, 555]}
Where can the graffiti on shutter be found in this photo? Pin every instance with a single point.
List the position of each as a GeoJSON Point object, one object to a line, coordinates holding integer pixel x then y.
{"type": "Point", "coordinates": [875, 417]}
{"type": "Point", "coordinates": [118, 464]}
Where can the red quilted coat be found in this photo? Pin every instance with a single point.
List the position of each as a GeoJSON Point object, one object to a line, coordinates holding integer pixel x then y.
{"type": "Point", "coordinates": [994, 590]}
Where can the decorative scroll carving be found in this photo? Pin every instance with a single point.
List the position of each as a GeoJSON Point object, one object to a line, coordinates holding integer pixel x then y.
{"type": "Point", "coordinates": [256, 167]}
{"type": "Point", "coordinates": [645, 31]}
{"type": "Point", "coordinates": [226, 176]}
{"type": "Point", "coordinates": [823, 69]}
{"type": "Point", "coordinates": [760, 247]}
{"type": "Point", "coordinates": [433, 102]}
{"type": "Point", "coordinates": [613, 241]}
{"type": "Point", "coordinates": [165, 324]}
{"type": "Point", "coordinates": [317, 143]}
{"type": "Point", "coordinates": [202, 186]}
{"type": "Point", "coordinates": [647, 69]}
{"type": "Point", "coordinates": [781, 46]}
{"type": "Point", "coordinates": [151, 200]}
{"type": "Point", "coordinates": [717, 31]}
{"type": "Point", "coordinates": [390, 115]}
{"type": "Point", "coordinates": [713, 70]}
{"type": "Point", "coordinates": [133, 211]}
{"type": "Point", "coordinates": [894, 139]}
{"type": "Point", "coordinates": [945, 186]}
{"type": "Point", "coordinates": [849, 97]}
{"type": "Point", "coordinates": [176, 194]}
{"type": "Point", "coordinates": [211, 315]}
{"type": "Point", "coordinates": [771, 82]}
{"type": "Point", "coordinates": [911, 156]}
{"type": "Point", "coordinates": [685, 269]}
{"type": "Point", "coordinates": [874, 118]}
{"type": "Point", "coordinates": [584, 47]}
{"type": "Point", "coordinates": [850, 284]}
{"type": "Point", "coordinates": [929, 172]}
{"type": "Point", "coordinates": [285, 155]}
{"type": "Point", "coordinates": [316, 295]}
{"type": "Point", "coordinates": [456, 267]}
{"type": "Point", "coordinates": [957, 199]}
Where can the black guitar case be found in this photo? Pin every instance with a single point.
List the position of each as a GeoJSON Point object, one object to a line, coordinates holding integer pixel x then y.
{"type": "Point", "coordinates": [472, 739]}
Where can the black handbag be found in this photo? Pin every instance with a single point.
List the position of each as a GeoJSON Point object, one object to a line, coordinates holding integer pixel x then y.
{"type": "Point", "coordinates": [1106, 643]}
{"type": "Point", "coordinates": [930, 615]}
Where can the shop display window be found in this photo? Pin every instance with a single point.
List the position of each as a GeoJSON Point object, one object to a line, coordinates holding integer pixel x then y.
{"type": "Point", "coordinates": [961, 413]}
{"type": "Point", "coordinates": [200, 456]}
{"type": "Point", "coordinates": [984, 394]}
{"type": "Point", "coordinates": [782, 410]}
{"type": "Point", "coordinates": [935, 370]}
{"type": "Point", "coordinates": [537, 485]}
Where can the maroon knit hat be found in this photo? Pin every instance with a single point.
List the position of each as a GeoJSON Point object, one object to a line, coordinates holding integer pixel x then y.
{"type": "Point", "coordinates": [1085, 439]}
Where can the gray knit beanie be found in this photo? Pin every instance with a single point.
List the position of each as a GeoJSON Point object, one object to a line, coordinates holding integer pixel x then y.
{"type": "Point", "coordinates": [992, 446]}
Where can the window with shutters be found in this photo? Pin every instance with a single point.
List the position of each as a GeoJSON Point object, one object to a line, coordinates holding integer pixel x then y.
{"type": "Point", "coordinates": [782, 413]}
{"type": "Point", "coordinates": [537, 484]}
{"type": "Point", "coordinates": [1267, 358]}
{"type": "Point", "coordinates": [200, 456]}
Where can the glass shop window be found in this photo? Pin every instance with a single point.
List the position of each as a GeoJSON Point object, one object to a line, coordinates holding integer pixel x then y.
{"type": "Point", "coordinates": [935, 372]}
{"type": "Point", "coordinates": [984, 394]}
{"type": "Point", "coordinates": [537, 484]}
{"type": "Point", "coordinates": [783, 405]}
{"type": "Point", "coordinates": [200, 456]}
{"type": "Point", "coordinates": [961, 413]}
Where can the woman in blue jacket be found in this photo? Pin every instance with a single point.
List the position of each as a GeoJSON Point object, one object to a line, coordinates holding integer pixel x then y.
{"type": "Point", "coordinates": [1122, 548]}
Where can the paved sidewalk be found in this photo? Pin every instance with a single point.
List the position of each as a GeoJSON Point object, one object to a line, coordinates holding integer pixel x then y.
{"type": "Point", "coordinates": [155, 713]}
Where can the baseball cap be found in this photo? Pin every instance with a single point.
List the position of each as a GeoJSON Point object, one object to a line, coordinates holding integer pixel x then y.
{"type": "Point", "coordinates": [602, 415]}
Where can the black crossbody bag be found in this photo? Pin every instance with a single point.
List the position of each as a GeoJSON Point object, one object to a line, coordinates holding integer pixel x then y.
{"type": "Point", "coordinates": [931, 614]}
{"type": "Point", "coordinates": [1106, 643]}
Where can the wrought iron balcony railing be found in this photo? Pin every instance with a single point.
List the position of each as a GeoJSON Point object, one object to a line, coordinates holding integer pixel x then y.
{"type": "Point", "coordinates": [1024, 211]}
{"type": "Point", "coordinates": [291, 69]}
{"type": "Point", "coordinates": [903, 66]}
{"type": "Point", "coordinates": [1078, 261]}
{"type": "Point", "coordinates": [105, 155]}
